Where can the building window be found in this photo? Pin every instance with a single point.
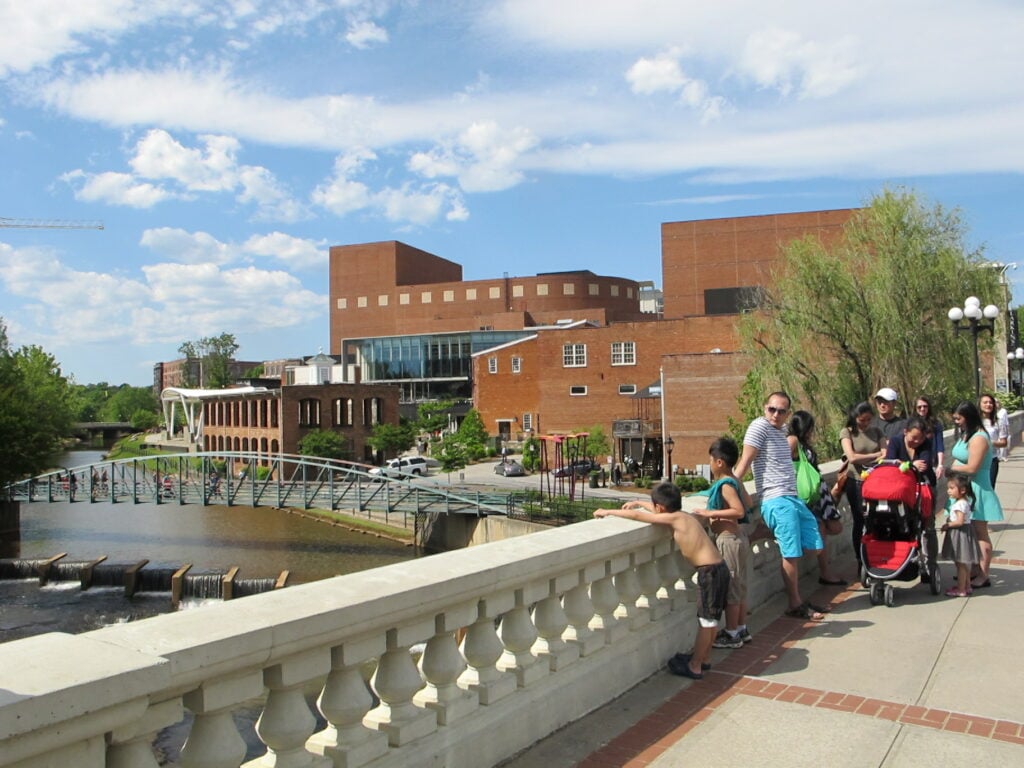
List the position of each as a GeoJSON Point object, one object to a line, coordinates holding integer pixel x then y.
{"type": "Point", "coordinates": [403, 298]}
{"type": "Point", "coordinates": [574, 355]}
{"type": "Point", "coordinates": [342, 303]}
{"type": "Point", "coordinates": [518, 291]}
{"type": "Point", "coordinates": [527, 422]}
{"type": "Point", "coordinates": [371, 411]}
{"type": "Point", "coordinates": [494, 292]}
{"type": "Point", "coordinates": [577, 391]}
{"type": "Point", "coordinates": [361, 302]}
{"type": "Point", "coordinates": [568, 289]}
{"type": "Point", "coordinates": [343, 412]}
{"type": "Point", "coordinates": [623, 353]}
{"type": "Point", "coordinates": [425, 297]}
{"type": "Point", "coordinates": [615, 290]}
{"type": "Point", "coordinates": [542, 289]}
{"type": "Point", "coordinates": [517, 364]}
{"type": "Point", "coordinates": [492, 364]}
{"type": "Point", "coordinates": [382, 300]}
{"type": "Point", "coordinates": [594, 289]}
{"type": "Point", "coordinates": [309, 412]}
{"type": "Point", "coordinates": [627, 389]}
{"type": "Point", "coordinates": [449, 295]}
{"type": "Point", "coordinates": [471, 294]}
{"type": "Point", "coordinates": [732, 301]}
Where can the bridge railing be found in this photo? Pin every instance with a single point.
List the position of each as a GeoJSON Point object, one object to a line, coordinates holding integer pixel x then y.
{"type": "Point", "coordinates": [458, 659]}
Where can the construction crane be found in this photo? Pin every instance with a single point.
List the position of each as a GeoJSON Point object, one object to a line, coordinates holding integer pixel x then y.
{"type": "Point", "coordinates": [48, 224]}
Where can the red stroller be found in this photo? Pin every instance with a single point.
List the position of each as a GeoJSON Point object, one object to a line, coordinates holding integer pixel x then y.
{"type": "Point", "coordinates": [897, 503]}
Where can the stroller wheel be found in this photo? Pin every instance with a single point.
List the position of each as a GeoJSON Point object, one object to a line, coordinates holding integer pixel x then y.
{"type": "Point", "coordinates": [876, 595]}
{"type": "Point", "coordinates": [865, 580]}
{"type": "Point", "coordinates": [890, 596]}
{"type": "Point", "coordinates": [935, 585]}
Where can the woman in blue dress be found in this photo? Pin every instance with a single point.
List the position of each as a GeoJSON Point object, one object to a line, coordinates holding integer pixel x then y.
{"type": "Point", "coordinates": [972, 455]}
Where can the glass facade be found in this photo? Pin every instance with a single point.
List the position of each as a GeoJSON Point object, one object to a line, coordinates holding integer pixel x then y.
{"type": "Point", "coordinates": [426, 357]}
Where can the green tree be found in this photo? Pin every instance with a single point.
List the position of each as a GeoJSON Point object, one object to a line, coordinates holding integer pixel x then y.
{"type": "Point", "coordinates": [433, 417]}
{"type": "Point", "coordinates": [473, 434]}
{"type": "Point", "coordinates": [452, 454]}
{"type": "Point", "coordinates": [599, 447]}
{"type": "Point", "coordinates": [143, 420]}
{"type": "Point", "coordinates": [844, 318]}
{"type": "Point", "coordinates": [124, 401]}
{"type": "Point", "coordinates": [531, 453]}
{"type": "Point", "coordinates": [392, 440]}
{"type": "Point", "coordinates": [324, 444]}
{"type": "Point", "coordinates": [36, 409]}
{"type": "Point", "coordinates": [214, 355]}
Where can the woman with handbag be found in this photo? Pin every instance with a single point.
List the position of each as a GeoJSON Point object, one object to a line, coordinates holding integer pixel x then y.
{"type": "Point", "coordinates": [863, 444]}
{"type": "Point", "coordinates": [821, 502]}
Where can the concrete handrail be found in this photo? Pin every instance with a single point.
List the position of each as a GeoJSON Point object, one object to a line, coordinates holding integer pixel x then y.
{"type": "Point", "coordinates": [555, 624]}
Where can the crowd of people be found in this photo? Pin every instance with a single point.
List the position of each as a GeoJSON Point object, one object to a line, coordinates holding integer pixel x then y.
{"type": "Point", "coordinates": [775, 446]}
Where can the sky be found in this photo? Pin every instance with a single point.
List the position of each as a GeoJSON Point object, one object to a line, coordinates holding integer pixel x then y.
{"type": "Point", "coordinates": [225, 145]}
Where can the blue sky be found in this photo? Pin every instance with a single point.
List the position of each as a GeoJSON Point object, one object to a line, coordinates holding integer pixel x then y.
{"type": "Point", "coordinates": [226, 144]}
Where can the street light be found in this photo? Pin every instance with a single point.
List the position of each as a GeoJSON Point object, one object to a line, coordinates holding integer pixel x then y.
{"type": "Point", "coordinates": [1017, 356]}
{"type": "Point", "coordinates": [973, 313]}
{"type": "Point", "coordinates": [669, 445]}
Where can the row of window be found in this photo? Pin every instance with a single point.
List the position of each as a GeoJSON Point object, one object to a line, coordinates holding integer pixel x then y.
{"type": "Point", "coordinates": [493, 292]}
{"type": "Point", "coordinates": [342, 412]}
{"type": "Point", "coordinates": [575, 356]}
{"type": "Point", "coordinates": [579, 390]}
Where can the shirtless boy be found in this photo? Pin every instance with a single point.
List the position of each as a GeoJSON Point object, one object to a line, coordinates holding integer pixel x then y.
{"type": "Point", "coordinates": [694, 544]}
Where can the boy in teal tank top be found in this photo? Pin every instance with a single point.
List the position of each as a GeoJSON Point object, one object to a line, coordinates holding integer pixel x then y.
{"type": "Point", "coordinates": [728, 507]}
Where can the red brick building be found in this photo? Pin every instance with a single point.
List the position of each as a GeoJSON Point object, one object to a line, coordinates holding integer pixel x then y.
{"type": "Point", "coordinates": [573, 377]}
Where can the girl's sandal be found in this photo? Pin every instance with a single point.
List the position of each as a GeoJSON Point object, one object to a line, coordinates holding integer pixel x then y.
{"type": "Point", "coordinates": [805, 612]}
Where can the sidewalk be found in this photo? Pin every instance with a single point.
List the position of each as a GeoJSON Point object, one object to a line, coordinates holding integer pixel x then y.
{"type": "Point", "coordinates": [931, 681]}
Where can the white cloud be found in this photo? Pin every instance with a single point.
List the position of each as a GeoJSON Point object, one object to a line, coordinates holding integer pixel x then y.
{"type": "Point", "coordinates": [294, 252]}
{"type": "Point", "coordinates": [363, 34]}
{"type": "Point", "coordinates": [661, 73]}
{"type": "Point", "coordinates": [202, 248]}
{"type": "Point", "coordinates": [484, 157]}
{"type": "Point", "coordinates": [784, 60]}
{"type": "Point", "coordinates": [159, 156]}
{"type": "Point", "coordinates": [187, 247]}
{"type": "Point", "coordinates": [115, 189]}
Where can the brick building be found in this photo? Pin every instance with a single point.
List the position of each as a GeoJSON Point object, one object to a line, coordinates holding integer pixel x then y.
{"type": "Point", "coordinates": [565, 378]}
{"type": "Point", "coordinates": [403, 315]}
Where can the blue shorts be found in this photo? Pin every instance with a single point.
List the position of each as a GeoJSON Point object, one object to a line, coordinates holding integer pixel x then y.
{"type": "Point", "coordinates": [792, 524]}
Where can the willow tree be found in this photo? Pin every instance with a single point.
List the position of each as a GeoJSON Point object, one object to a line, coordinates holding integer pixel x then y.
{"type": "Point", "coordinates": [868, 309]}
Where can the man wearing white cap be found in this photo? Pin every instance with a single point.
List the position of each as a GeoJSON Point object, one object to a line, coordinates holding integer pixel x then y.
{"type": "Point", "coordinates": [888, 421]}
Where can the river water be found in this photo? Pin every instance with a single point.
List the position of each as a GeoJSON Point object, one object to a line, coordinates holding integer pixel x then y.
{"type": "Point", "coordinates": [262, 542]}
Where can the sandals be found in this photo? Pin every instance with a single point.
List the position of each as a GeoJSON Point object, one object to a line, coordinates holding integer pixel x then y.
{"type": "Point", "coordinates": [807, 612]}
{"type": "Point", "coordinates": [832, 582]}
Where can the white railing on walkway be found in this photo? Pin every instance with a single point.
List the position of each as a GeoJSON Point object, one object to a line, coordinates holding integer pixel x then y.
{"type": "Point", "coordinates": [556, 624]}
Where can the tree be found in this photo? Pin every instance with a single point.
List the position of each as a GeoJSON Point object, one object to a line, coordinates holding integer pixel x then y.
{"type": "Point", "coordinates": [452, 455]}
{"type": "Point", "coordinates": [124, 401]}
{"type": "Point", "coordinates": [214, 354]}
{"type": "Point", "coordinates": [473, 435]}
{"type": "Point", "coordinates": [324, 444]}
{"type": "Point", "coordinates": [36, 410]}
{"type": "Point", "coordinates": [392, 440]}
{"type": "Point", "coordinates": [143, 420]}
{"type": "Point", "coordinates": [598, 445]}
{"type": "Point", "coordinates": [868, 310]}
{"type": "Point", "coordinates": [531, 453]}
{"type": "Point", "coordinates": [434, 417]}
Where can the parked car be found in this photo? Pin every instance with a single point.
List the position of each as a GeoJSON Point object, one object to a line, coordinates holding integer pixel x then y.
{"type": "Point", "coordinates": [580, 468]}
{"type": "Point", "coordinates": [404, 466]}
{"type": "Point", "coordinates": [510, 468]}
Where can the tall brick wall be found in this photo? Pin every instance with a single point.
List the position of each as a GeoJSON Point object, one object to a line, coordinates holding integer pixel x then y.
{"type": "Point", "coordinates": [730, 253]}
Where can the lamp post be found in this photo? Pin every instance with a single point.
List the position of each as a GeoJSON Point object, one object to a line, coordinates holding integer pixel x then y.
{"type": "Point", "coordinates": [669, 445]}
{"type": "Point", "coordinates": [973, 314]}
{"type": "Point", "coordinates": [1017, 356]}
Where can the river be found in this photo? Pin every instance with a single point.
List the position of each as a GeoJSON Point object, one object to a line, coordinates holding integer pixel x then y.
{"type": "Point", "coordinates": [262, 542]}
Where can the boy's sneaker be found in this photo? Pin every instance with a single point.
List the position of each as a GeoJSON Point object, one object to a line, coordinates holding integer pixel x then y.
{"type": "Point", "coordinates": [745, 635]}
{"type": "Point", "coordinates": [724, 640]}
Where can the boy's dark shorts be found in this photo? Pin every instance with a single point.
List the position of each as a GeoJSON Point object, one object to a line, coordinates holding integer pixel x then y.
{"type": "Point", "coordinates": [713, 586]}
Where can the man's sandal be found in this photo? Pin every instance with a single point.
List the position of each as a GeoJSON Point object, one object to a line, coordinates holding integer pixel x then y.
{"type": "Point", "coordinates": [805, 612]}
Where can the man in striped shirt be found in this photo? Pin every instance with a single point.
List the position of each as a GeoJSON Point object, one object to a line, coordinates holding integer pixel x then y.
{"type": "Point", "coordinates": [766, 451]}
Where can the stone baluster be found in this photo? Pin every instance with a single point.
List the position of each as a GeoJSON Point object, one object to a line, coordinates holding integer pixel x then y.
{"type": "Point", "coordinates": [287, 721]}
{"type": "Point", "coordinates": [579, 610]}
{"type": "Point", "coordinates": [441, 665]}
{"type": "Point", "coordinates": [482, 648]}
{"type": "Point", "coordinates": [627, 586]}
{"type": "Point", "coordinates": [651, 600]}
{"type": "Point", "coordinates": [395, 682]}
{"type": "Point", "coordinates": [669, 571]}
{"type": "Point", "coordinates": [550, 620]}
{"type": "Point", "coordinates": [606, 600]}
{"type": "Point", "coordinates": [214, 740]}
{"type": "Point", "coordinates": [344, 702]}
{"type": "Point", "coordinates": [131, 746]}
{"type": "Point", "coordinates": [518, 635]}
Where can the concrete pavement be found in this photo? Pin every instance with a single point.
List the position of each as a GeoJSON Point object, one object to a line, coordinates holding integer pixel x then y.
{"type": "Point", "coordinates": [931, 681]}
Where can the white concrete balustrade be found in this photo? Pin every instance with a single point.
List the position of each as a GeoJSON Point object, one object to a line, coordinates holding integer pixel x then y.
{"type": "Point", "coordinates": [552, 625]}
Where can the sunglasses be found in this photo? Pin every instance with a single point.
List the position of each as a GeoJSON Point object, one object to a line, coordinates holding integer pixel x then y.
{"type": "Point", "coordinates": [773, 410]}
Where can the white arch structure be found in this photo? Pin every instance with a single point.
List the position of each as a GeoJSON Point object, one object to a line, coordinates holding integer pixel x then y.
{"type": "Point", "coordinates": [191, 402]}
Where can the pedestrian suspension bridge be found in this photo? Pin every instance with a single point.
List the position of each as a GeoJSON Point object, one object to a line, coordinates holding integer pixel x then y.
{"type": "Point", "coordinates": [252, 480]}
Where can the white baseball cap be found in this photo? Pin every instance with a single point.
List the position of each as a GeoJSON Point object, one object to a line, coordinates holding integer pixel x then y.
{"type": "Point", "coordinates": [887, 393]}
